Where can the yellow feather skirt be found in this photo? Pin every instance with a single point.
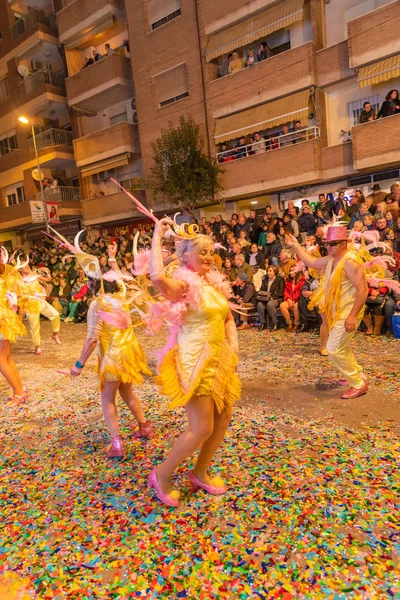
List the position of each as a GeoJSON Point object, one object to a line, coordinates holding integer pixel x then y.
{"type": "Point", "coordinates": [11, 325]}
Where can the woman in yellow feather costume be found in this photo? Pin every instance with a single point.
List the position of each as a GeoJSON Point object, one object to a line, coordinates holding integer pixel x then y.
{"type": "Point", "coordinates": [198, 366]}
{"type": "Point", "coordinates": [10, 328]}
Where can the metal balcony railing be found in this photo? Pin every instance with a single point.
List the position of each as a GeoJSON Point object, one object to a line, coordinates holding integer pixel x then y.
{"type": "Point", "coordinates": [60, 194]}
{"type": "Point", "coordinates": [272, 142]}
{"type": "Point", "coordinates": [40, 78]}
{"type": "Point", "coordinates": [33, 17]}
{"type": "Point", "coordinates": [51, 137]}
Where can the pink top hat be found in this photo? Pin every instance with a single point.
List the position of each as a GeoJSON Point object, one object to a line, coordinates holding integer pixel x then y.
{"type": "Point", "coordinates": [336, 234]}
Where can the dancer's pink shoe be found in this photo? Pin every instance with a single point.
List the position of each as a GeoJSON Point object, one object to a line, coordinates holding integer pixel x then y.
{"type": "Point", "coordinates": [38, 350]}
{"type": "Point", "coordinates": [116, 449]}
{"type": "Point", "coordinates": [355, 392]}
{"type": "Point", "coordinates": [145, 431]}
{"type": "Point", "coordinates": [56, 338]}
{"type": "Point", "coordinates": [18, 400]}
{"type": "Point", "coordinates": [171, 499]}
{"type": "Point", "coordinates": [215, 490]}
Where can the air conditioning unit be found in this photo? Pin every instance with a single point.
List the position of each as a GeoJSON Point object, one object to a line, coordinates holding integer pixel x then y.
{"type": "Point", "coordinates": [103, 175]}
{"type": "Point", "coordinates": [37, 65]}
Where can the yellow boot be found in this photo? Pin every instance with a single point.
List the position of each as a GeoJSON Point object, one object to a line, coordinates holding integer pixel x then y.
{"type": "Point", "coordinates": [378, 324]}
{"type": "Point", "coordinates": [368, 323]}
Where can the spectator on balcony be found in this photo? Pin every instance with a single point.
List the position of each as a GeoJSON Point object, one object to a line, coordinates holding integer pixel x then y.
{"type": "Point", "coordinates": [224, 66]}
{"type": "Point", "coordinates": [272, 249]}
{"type": "Point", "coordinates": [368, 113]}
{"type": "Point", "coordinates": [88, 61]}
{"type": "Point", "coordinates": [263, 51]}
{"type": "Point", "coordinates": [96, 56]}
{"type": "Point", "coordinates": [109, 50]}
{"type": "Point", "coordinates": [225, 155]}
{"type": "Point", "coordinates": [251, 58]}
{"type": "Point", "coordinates": [236, 63]}
{"type": "Point", "coordinates": [259, 144]}
{"type": "Point", "coordinates": [377, 195]}
{"type": "Point", "coordinates": [287, 139]}
{"type": "Point", "coordinates": [241, 148]}
{"type": "Point", "coordinates": [299, 134]}
{"type": "Point", "coordinates": [306, 222]}
{"type": "Point", "coordinates": [250, 150]}
{"type": "Point", "coordinates": [391, 105]}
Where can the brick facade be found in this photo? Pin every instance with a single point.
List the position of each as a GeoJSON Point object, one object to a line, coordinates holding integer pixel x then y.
{"type": "Point", "coordinates": [377, 144]}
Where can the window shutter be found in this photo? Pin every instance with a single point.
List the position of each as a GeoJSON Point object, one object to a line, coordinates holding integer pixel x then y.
{"type": "Point", "coordinates": [160, 9]}
{"type": "Point", "coordinates": [171, 85]}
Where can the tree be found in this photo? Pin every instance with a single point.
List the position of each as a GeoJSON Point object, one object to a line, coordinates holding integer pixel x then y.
{"type": "Point", "coordinates": [182, 173]}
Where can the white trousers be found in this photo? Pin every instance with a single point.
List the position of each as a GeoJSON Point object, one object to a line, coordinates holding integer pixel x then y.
{"type": "Point", "coordinates": [47, 311]}
{"type": "Point", "coordinates": [342, 357]}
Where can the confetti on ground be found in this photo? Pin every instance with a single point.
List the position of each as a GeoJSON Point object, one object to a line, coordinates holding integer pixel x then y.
{"type": "Point", "coordinates": [312, 509]}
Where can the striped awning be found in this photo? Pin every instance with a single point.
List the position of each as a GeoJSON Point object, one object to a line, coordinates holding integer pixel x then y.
{"type": "Point", "coordinates": [380, 71]}
{"type": "Point", "coordinates": [29, 51]}
{"type": "Point", "coordinates": [105, 165]}
{"type": "Point", "coordinates": [263, 116]}
{"type": "Point", "coordinates": [254, 27]}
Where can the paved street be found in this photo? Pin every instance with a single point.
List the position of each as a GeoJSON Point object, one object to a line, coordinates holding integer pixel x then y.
{"type": "Point", "coordinates": [312, 507]}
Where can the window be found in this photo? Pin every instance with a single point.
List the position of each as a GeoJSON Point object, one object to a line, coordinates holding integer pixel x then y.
{"type": "Point", "coordinates": [171, 85]}
{"type": "Point", "coordinates": [16, 196]}
{"type": "Point", "coordinates": [119, 118]}
{"type": "Point", "coordinates": [8, 143]}
{"type": "Point", "coordinates": [4, 89]}
{"type": "Point", "coordinates": [160, 12]}
{"type": "Point", "coordinates": [356, 107]}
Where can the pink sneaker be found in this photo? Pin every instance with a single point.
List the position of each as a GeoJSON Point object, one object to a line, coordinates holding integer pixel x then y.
{"type": "Point", "coordinates": [145, 431]}
{"type": "Point", "coordinates": [116, 449]}
{"type": "Point", "coordinates": [355, 392]}
{"type": "Point", "coordinates": [56, 338]}
{"type": "Point", "coordinates": [171, 499]}
{"type": "Point", "coordinates": [214, 490]}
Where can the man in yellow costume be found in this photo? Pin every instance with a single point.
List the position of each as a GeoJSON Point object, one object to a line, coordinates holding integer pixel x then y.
{"type": "Point", "coordinates": [32, 301]}
{"type": "Point", "coordinates": [344, 300]}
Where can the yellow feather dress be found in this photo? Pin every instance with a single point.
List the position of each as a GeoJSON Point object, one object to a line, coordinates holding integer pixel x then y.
{"type": "Point", "coordinates": [11, 326]}
{"type": "Point", "coordinates": [202, 363]}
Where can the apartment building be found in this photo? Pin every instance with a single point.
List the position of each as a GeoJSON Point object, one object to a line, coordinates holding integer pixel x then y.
{"type": "Point", "coordinates": [32, 84]}
{"type": "Point", "coordinates": [101, 98]}
{"type": "Point", "coordinates": [322, 60]}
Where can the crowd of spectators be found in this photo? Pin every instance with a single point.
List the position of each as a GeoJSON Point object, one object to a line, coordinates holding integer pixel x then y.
{"type": "Point", "coordinates": [254, 257]}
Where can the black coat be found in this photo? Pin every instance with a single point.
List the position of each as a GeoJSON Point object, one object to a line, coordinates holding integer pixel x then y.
{"type": "Point", "coordinates": [276, 289]}
{"type": "Point", "coordinates": [272, 250]}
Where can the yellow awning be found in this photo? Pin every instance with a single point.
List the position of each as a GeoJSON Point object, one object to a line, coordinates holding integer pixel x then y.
{"type": "Point", "coordinates": [105, 165]}
{"type": "Point", "coordinates": [380, 71]}
{"type": "Point", "coordinates": [263, 116]}
{"type": "Point", "coordinates": [253, 28]}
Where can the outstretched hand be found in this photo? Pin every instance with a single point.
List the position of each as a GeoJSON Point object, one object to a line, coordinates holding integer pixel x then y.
{"type": "Point", "coordinates": [291, 241]}
{"type": "Point", "coordinates": [112, 249]}
{"type": "Point", "coordinates": [162, 226]}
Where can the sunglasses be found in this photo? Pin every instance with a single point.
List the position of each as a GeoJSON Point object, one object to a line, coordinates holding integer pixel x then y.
{"type": "Point", "coordinates": [333, 244]}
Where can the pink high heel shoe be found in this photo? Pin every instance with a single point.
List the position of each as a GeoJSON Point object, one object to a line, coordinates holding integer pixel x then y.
{"type": "Point", "coordinates": [56, 338]}
{"type": "Point", "coordinates": [116, 449]}
{"type": "Point", "coordinates": [38, 350]}
{"type": "Point", "coordinates": [171, 499]}
{"type": "Point", "coordinates": [214, 490]}
{"type": "Point", "coordinates": [145, 431]}
{"type": "Point", "coordinates": [17, 400]}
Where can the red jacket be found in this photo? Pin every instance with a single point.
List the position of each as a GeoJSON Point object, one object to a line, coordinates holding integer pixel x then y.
{"type": "Point", "coordinates": [292, 290]}
{"type": "Point", "coordinates": [382, 290]}
{"type": "Point", "coordinates": [82, 292]}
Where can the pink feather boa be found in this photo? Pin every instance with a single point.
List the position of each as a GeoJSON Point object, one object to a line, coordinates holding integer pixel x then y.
{"type": "Point", "coordinates": [174, 313]}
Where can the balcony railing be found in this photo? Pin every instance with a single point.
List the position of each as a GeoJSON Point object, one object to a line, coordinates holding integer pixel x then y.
{"type": "Point", "coordinates": [40, 78]}
{"type": "Point", "coordinates": [62, 193]}
{"type": "Point", "coordinates": [51, 137]}
{"type": "Point", "coordinates": [33, 17]}
{"type": "Point", "coordinates": [268, 144]}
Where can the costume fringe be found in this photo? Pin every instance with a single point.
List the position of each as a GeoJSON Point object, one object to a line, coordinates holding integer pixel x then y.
{"type": "Point", "coordinates": [11, 325]}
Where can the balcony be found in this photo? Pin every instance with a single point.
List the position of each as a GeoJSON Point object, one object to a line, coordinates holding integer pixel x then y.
{"type": "Point", "coordinates": [375, 35]}
{"type": "Point", "coordinates": [15, 215]}
{"type": "Point", "coordinates": [42, 81]}
{"type": "Point", "coordinates": [50, 138]}
{"type": "Point", "coordinates": [32, 20]}
{"type": "Point", "coordinates": [62, 193]}
{"type": "Point", "coordinates": [112, 207]}
{"type": "Point", "coordinates": [116, 140]}
{"type": "Point", "coordinates": [95, 16]}
{"type": "Point", "coordinates": [337, 161]}
{"type": "Point", "coordinates": [333, 64]}
{"type": "Point", "coordinates": [105, 83]}
{"type": "Point", "coordinates": [279, 75]}
{"type": "Point", "coordinates": [290, 166]}
{"type": "Point", "coordinates": [376, 144]}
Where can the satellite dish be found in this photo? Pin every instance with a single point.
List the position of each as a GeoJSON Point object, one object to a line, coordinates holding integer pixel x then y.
{"type": "Point", "coordinates": [37, 175]}
{"type": "Point", "coordinates": [23, 70]}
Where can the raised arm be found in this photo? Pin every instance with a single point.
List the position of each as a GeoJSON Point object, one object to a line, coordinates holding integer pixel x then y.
{"type": "Point", "coordinates": [356, 274]}
{"type": "Point", "coordinates": [307, 259]}
{"type": "Point", "coordinates": [171, 289]}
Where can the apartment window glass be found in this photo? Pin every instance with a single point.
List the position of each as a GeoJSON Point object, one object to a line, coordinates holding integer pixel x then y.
{"type": "Point", "coordinates": [8, 143]}
{"type": "Point", "coordinates": [160, 12]}
{"type": "Point", "coordinates": [171, 85]}
{"type": "Point", "coordinates": [4, 89]}
{"type": "Point", "coordinates": [16, 196]}
{"type": "Point", "coordinates": [356, 107]}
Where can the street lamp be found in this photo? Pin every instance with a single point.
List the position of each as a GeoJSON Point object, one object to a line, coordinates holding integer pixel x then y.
{"type": "Point", "coordinates": [26, 121]}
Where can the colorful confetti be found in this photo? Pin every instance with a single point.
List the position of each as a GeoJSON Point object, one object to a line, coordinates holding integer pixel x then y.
{"type": "Point", "coordinates": [312, 509]}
